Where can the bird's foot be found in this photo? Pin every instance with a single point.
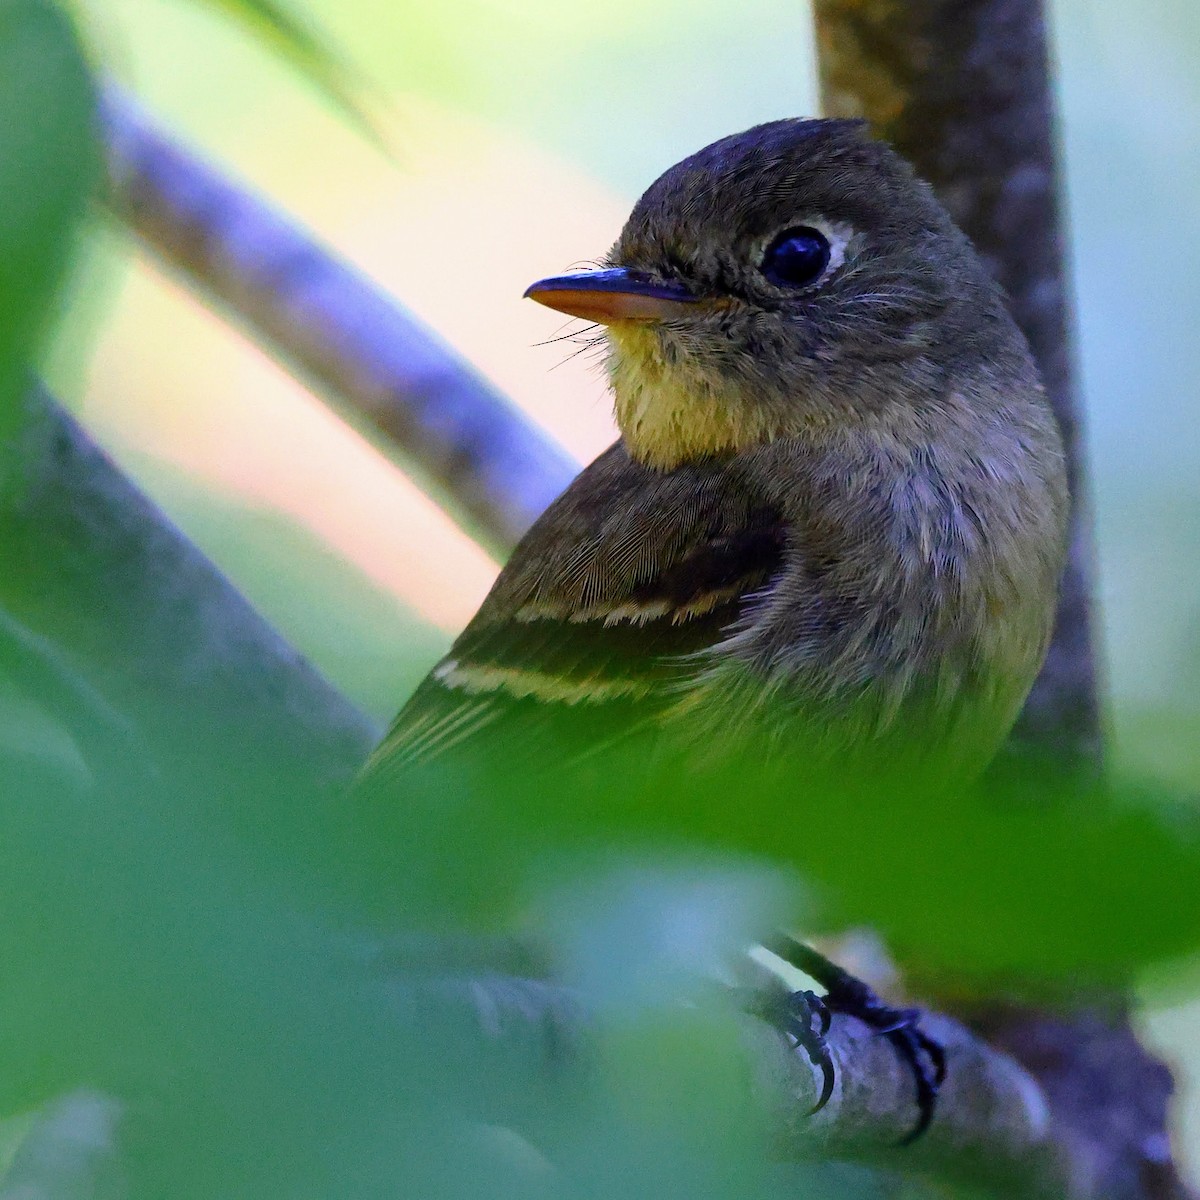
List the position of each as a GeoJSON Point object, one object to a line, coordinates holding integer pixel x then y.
{"type": "Point", "coordinates": [808, 1019]}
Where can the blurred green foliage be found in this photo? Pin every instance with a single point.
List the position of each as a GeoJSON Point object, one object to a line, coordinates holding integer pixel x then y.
{"type": "Point", "coordinates": [310, 51]}
{"type": "Point", "coordinates": [1029, 883]}
{"type": "Point", "coordinates": [48, 163]}
{"type": "Point", "coordinates": [264, 986]}
{"type": "Point", "coordinates": [225, 983]}
{"type": "Point", "coordinates": [219, 961]}
{"type": "Point", "coordinates": [296, 40]}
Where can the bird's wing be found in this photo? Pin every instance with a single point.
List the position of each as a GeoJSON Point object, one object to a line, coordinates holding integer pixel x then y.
{"type": "Point", "coordinates": [602, 614]}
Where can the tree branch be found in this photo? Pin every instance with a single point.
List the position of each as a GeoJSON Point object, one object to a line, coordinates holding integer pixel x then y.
{"type": "Point", "coordinates": [993, 1128]}
{"type": "Point", "coordinates": [962, 88]}
{"type": "Point", "coordinates": [135, 609]}
{"type": "Point", "coordinates": [474, 451]}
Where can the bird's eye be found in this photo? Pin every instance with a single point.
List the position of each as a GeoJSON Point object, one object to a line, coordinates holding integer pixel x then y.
{"type": "Point", "coordinates": [796, 258]}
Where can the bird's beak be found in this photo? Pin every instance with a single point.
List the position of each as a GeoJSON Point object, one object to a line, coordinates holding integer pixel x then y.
{"type": "Point", "coordinates": [617, 294]}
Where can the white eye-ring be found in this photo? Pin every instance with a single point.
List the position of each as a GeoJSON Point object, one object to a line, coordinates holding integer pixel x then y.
{"type": "Point", "coordinates": [804, 253]}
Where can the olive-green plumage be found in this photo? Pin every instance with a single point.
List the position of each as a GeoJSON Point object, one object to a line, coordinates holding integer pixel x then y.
{"type": "Point", "coordinates": [833, 527]}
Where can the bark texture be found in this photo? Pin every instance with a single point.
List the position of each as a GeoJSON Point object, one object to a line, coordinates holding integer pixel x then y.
{"type": "Point", "coordinates": [963, 89]}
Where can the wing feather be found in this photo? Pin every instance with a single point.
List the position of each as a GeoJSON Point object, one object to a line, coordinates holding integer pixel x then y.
{"type": "Point", "coordinates": [602, 615]}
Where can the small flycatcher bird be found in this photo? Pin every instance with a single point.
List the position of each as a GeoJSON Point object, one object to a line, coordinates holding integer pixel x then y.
{"type": "Point", "coordinates": [832, 529]}
{"type": "Point", "coordinates": [831, 532]}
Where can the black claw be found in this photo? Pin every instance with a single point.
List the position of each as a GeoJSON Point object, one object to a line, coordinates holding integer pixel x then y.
{"type": "Point", "coordinates": [936, 1054]}
{"type": "Point", "coordinates": [827, 1078]}
{"type": "Point", "coordinates": [846, 994]}
{"type": "Point", "coordinates": [806, 1021]}
{"type": "Point", "coordinates": [911, 1044]}
{"type": "Point", "coordinates": [823, 1013]}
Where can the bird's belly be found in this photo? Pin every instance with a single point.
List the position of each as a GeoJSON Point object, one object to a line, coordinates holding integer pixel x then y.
{"type": "Point", "coordinates": [940, 726]}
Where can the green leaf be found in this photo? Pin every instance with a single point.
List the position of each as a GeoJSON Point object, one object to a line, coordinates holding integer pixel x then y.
{"type": "Point", "coordinates": [48, 163]}
{"type": "Point", "coordinates": [1036, 879]}
{"type": "Point", "coordinates": [309, 51]}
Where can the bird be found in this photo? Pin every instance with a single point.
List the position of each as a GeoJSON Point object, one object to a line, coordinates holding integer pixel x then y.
{"type": "Point", "coordinates": [830, 534]}
{"type": "Point", "coordinates": [832, 528]}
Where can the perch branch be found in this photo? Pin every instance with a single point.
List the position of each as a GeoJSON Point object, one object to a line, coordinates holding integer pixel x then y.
{"type": "Point", "coordinates": [993, 1128]}
{"type": "Point", "coordinates": [474, 451]}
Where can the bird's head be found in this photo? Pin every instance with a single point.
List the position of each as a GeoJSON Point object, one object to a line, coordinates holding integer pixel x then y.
{"type": "Point", "coordinates": [791, 279]}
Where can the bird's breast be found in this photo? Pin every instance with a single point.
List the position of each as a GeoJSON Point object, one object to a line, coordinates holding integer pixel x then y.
{"type": "Point", "coordinates": [911, 615]}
